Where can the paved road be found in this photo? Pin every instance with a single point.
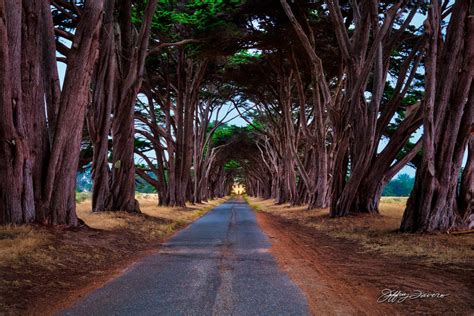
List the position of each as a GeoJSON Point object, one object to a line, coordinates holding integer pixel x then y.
{"type": "Point", "coordinates": [219, 265]}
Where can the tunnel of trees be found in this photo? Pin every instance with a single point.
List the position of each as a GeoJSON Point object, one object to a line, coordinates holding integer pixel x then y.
{"type": "Point", "coordinates": [337, 97]}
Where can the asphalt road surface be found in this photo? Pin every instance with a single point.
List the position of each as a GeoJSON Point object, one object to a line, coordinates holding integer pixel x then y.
{"type": "Point", "coordinates": [219, 265]}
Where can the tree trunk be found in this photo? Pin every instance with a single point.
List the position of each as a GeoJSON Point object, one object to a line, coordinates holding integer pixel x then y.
{"type": "Point", "coordinates": [432, 205]}
{"type": "Point", "coordinates": [123, 169]}
{"type": "Point", "coordinates": [99, 115]}
{"type": "Point", "coordinates": [59, 196]}
{"type": "Point", "coordinates": [368, 196]}
{"type": "Point", "coordinates": [33, 96]}
{"type": "Point", "coordinates": [16, 188]}
{"type": "Point", "coordinates": [122, 197]}
{"type": "Point", "coordinates": [367, 55]}
{"type": "Point", "coordinates": [319, 191]}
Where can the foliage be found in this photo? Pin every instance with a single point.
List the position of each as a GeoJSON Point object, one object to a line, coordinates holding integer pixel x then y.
{"type": "Point", "coordinates": [84, 181]}
{"type": "Point", "coordinates": [144, 187]}
{"type": "Point", "coordinates": [222, 134]}
{"type": "Point", "coordinates": [401, 186]}
{"type": "Point", "coordinates": [198, 19]}
{"type": "Point", "coordinates": [244, 56]}
{"type": "Point", "coordinates": [231, 164]}
{"type": "Point", "coordinates": [84, 185]}
{"type": "Point", "coordinates": [82, 196]}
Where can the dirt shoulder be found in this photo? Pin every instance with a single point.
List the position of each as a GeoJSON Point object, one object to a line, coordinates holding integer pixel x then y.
{"type": "Point", "coordinates": [44, 269]}
{"type": "Point", "coordinates": [344, 276]}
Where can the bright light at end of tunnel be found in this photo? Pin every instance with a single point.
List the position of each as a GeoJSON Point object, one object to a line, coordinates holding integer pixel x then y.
{"type": "Point", "coordinates": [238, 189]}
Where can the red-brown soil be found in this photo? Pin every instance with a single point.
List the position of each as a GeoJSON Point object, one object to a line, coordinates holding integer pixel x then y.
{"type": "Point", "coordinates": [44, 269]}
{"type": "Point", "coordinates": [339, 277]}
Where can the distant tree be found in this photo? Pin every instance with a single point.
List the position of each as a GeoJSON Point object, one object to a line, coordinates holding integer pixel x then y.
{"type": "Point", "coordinates": [84, 180]}
{"type": "Point", "coordinates": [401, 186]}
{"type": "Point", "coordinates": [144, 186]}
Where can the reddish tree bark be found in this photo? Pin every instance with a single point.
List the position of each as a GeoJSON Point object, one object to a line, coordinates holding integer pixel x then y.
{"type": "Point", "coordinates": [322, 99]}
{"type": "Point", "coordinates": [447, 121]}
{"type": "Point", "coordinates": [99, 115]}
{"type": "Point", "coordinates": [59, 196]}
{"type": "Point", "coordinates": [34, 56]}
{"type": "Point", "coordinates": [204, 152]}
{"type": "Point", "coordinates": [177, 100]}
{"type": "Point", "coordinates": [190, 75]}
{"type": "Point", "coordinates": [34, 88]}
{"type": "Point", "coordinates": [16, 188]}
{"type": "Point", "coordinates": [361, 123]}
{"type": "Point", "coordinates": [148, 127]}
{"type": "Point", "coordinates": [122, 189]}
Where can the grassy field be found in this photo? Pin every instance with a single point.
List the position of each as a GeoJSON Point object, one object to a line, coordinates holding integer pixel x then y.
{"type": "Point", "coordinates": [380, 232]}
{"type": "Point", "coordinates": [43, 265]}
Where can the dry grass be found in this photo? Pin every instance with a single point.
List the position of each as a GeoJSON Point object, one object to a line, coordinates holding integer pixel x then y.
{"type": "Point", "coordinates": [40, 266]}
{"type": "Point", "coordinates": [154, 222]}
{"type": "Point", "coordinates": [380, 232]}
{"type": "Point", "coordinates": [15, 241]}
